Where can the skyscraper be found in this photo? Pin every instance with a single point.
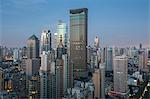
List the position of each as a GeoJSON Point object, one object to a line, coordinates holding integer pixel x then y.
{"type": "Point", "coordinates": [45, 43]}
{"type": "Point", "coordinates": [46, 76]}
{"type": "Point", "coordinates": [32, 67]}
{"type": "Point", "coordinates": [62, 33]}
{"type": "Point", "coordinates": [32, 64]}
{"type": "Point", "coordinates": [120, 71]}
{"type": "Point", "coordinates": [59, 78]}
{"type": "Point", "coordinates": [1, 79]}
{"type": "Point", "coordinates": [32, 47]}
{"type": "Point", "coordinates": [109, 58]}
{"type": "Point", "coordinates": [98, 80]}
{"type": "Point", "coordinates": [96, 42]}
{"type": "Point", "coordinates": [15, 55]}
{"type": "Point", "coordinates": [78, 40]}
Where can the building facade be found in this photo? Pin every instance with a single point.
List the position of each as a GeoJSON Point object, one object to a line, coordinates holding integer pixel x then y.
{"type": "Point", "coordinates": [62, 33]}
{"type": "Point", "coordinates": [78, 40]}
{"type": "Point", "coordinates": [120, 71]}
{"type": "Point", "coordinates": [45, 43]}
{"type": "Point", "coordinates": [32, 47]}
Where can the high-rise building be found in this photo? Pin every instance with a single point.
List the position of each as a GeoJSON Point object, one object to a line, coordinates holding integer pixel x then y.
{"type": "Point", "coordinates": [47, 69]}
{"type": "Point", "coordinates": [1, 79]}
{"type": "Point", "coordinates": [32, 47]}
{"type": "Point", "coordinates": [55, 42]}
{"type": "Point", "coordinates": [45, 43]}
{"type": "Point", "coordinates": [47, 78]}
{"type": "Point", "coordinates": [66, 75]}
{"type": "Point", "coordinates": [109, 58]}
{"type": "Point", "coordinates": [62, 33]}
{"type": "Point", "coordinates": [96, 42]}
{"type": "Point", "coordinates": [63, 76]}
{"type": "Point", "coordinates": [34, 87]}
{"type": "Point", "coordinates": [59, 78]}
{"type": "Point", "coordinates": [142, 60]}
{"type": "Point", "coordinates": [78, 40]}
{"type": "Point", "coordinates": [15, 55]}
{"type": "Point", "coordinates": [24, 52]}
{"type": "Point", "coordinates": [98, 80]}
{"type": "Point", "coordinates": [120, 70]}
{"type": "Point", "coordinates": [32, 67]}
{"type": "Point", "coordinates": [60, 50]}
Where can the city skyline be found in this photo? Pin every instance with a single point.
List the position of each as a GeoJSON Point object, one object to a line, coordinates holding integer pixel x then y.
{"type": "Point", "coordinates": [65, 50]}
{"type": "Point", "coordinates": [112, 21]}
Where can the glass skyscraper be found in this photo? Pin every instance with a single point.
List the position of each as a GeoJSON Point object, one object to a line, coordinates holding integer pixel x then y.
{"type": "Point", "coordinates": [78, 40]}
{"type": "Point", "coordinates": [33, 47]}
{"type": "Point", "coordinates": [61, 33]}
{"type": "Point", "coordinates": [45, 43]}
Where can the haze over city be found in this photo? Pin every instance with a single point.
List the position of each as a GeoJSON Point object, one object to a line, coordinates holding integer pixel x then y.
{"type": "Point", "coordinates": [116, 22]}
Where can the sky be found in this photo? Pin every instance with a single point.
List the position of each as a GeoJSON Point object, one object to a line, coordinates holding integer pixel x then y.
{"type": "Point", "coordinates": [115, 22]}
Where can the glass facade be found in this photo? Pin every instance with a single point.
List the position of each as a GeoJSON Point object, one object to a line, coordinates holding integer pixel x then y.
{"type": "Point", "coordinates": [78, 40]}
{"type": "Point", "coordinates": [62, 33]}
{"type": "Point", "coordinates": [45, 43]}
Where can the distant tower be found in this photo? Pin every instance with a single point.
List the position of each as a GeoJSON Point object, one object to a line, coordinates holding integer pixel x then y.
{"type": "Point", "coordinates": [55, 41]}
{"type": "Point", "coordinates": [1, 79]}
{"type": "Point", "coordinates": [15, 55]}
{"type": "Point", "coordinates": [78, 41]}
{"type": "Point", "coordinates": [45, 43]}
{"type": "Point", "coordinates": [96, 42]}
{"type": "Point", "coordinates": [62, 33]}
{"type": "Point", "coordinates": [120, 71]}
{"type": "Point", "coordinates": [32, 47]}
{"type": "Point", "coordinates": [109, 58]}
{"type": "Point", "coordinates": [142, 61]}
{"type": "Point", "coordinates": [140, 46]}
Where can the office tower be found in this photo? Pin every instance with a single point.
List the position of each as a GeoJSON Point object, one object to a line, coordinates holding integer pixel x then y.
{"type": "Point", "coordinates": [60, 50]}
{"type": "Point", "coordinates": [120, 70]}
{"type": "Point", "coordinates": [102, 74]}
{"type": "Point", "coordinates": [109, 58]}
{"type": "Point", "coordinates": [32, 67]}
{"type": "Point", "coordinates": [66, 75]}
{"type": "Point", "coordinates": [78, 40]}
{"type": "Point", "coordinates": [96, 42]}
{"type": "Point", "coordinates": [32, 47]}
{"type": "Point", "coordinates": [97, 84]}
{"type": "Point", "coordinates": [148, 54]}
{"type": "Point", "coordinates": [1, 79]}
{"type": "Point", "coordinates": [45, 43]}
{"type": "Point", "coordinates": [62, 33]}
{"type": "Point", "coordinates": [141, 60]}
{"type": "Point", "coordinates": [44, 73]}
{"type": "Point", "coordinates": [140, 46]}
{"type": "Point", "coordinates": [98, 80]}
{"type": "Point", "coordinates": [59, 78]}
{"type": "Point", "coordinates": [24, 52]}
{"type": "Point", "coordinates": [34, 87]}
{"type": "Point", "coordinates": [3, 52]}
{"type": "Point", "coordinates": [63, 76]}
{"type": "Point", "coordinates": [47, 75]}
{"type": "Point", "coordinates": [55, 41]}
{"type": "Point", "coordinates": [15, 55]}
